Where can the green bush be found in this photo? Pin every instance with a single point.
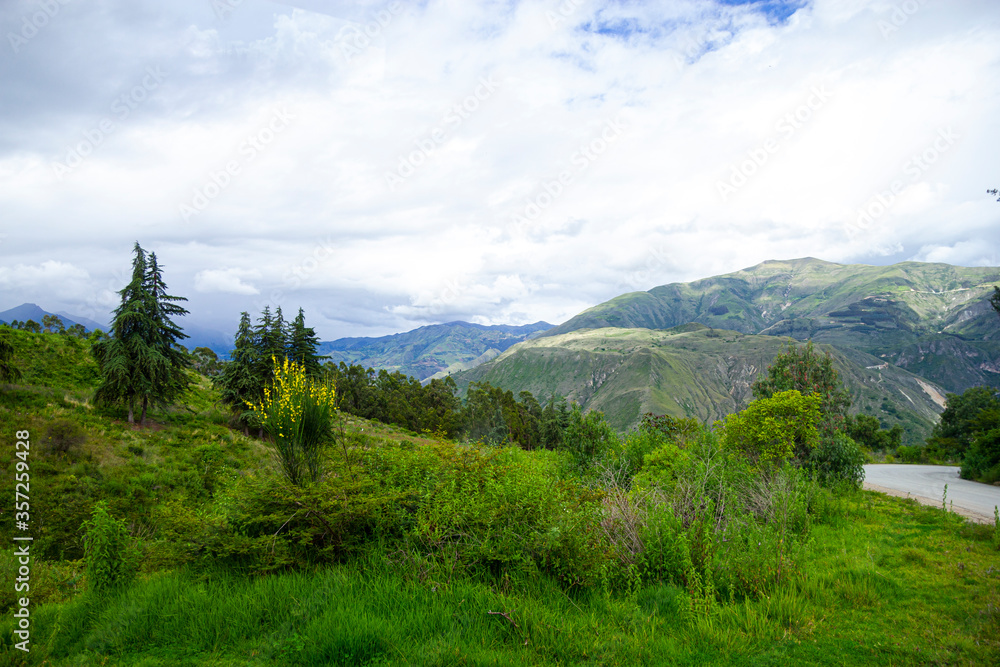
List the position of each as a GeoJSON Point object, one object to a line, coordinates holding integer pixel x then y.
{"type": "Point", "coordinates": [775, 429]}
{"type": "Point", "coordinates": [910, 454]}
{"type": "Point", "coordinates": [837, 459]}
{"type": "Point", "coordinates": [296, 413]}
{"type": "Point", "coordinates": [588, 437]}
{"type": "Point", "coordinates": [110, 563]}
{"type": "Point", "coordinates": [63, 436]}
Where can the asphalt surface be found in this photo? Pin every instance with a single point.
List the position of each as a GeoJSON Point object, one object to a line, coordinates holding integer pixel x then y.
{"type": "Point", "coordinates": [926, 485]}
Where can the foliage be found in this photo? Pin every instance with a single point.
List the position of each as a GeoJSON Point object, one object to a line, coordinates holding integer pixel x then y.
{"type": "Point", "coordinates": [205, 361]}
{"type": "Point", "coordinates": [953, 436]}
{"type": "Point", "coordinates": [982, 461]}
{"type": "Point", "coordinates": [110, 565]}
{"type": "Point", "coordinates": [774, 429]}
{"type": "Point", "coordinates": [804, 370]}
{"type": "Point", "coordinates": [296, 412]}
{"type": "Point", "coordinates": [63, 435]}
{"type": "Point", "coordinates": [588, 438]}
{"type": "Point", "coordinates": [238, 383]}
{"type": "Point", "coordinates": [141, 361]}
{"type": "Point", "coordinates": [868, 432]}
{"type": "Point", "coordinates": [8, 371]}
{"type": "Point", "coordinates": [302, 345]}
{"type": "Point", "coordinates": [838, 459]}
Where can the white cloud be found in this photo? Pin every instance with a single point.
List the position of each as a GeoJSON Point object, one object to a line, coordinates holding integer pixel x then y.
{"type": "Point", "coordinates": [229, 281]}
{"type": "Point", "coordinates": [50, 277]}
{"type": "Point", "coordinates": [704, 86]}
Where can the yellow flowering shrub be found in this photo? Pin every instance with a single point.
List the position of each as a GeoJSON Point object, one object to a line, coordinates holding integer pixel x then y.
{"type": "Point", "coordinates": [296, 412]}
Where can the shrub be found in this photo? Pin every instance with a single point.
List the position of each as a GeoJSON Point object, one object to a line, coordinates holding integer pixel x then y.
{"type": "Point", "coordinates": [109, 561]}
{"type": "Point", "coordinates": [296, 413]}
{"type": "Point", "coordinates": [63, 435]}
{"type": "Point", "coordinates": [588, 437]}
{"type": "Point", "coordinates": [909, 454]}
{"type": "Point", "coordinates": [773, 430]}
{"type": "Point", "coordinates": [837, 458]}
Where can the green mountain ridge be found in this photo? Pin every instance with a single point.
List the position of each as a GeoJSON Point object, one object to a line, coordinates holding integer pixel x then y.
{"type": "Point", "coordinates": [691, 371]}
{"type": "Point", "coordinates": [431, 351]}
{"type": "Point", "coordinates": [931, 319]}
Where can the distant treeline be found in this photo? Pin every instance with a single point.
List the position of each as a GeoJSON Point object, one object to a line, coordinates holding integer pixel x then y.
{"type": "Point", "coordinates": [490, 414]}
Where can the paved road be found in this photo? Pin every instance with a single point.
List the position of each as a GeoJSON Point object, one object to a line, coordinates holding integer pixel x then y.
{"type": "Point", "coordinates": [926, 484]}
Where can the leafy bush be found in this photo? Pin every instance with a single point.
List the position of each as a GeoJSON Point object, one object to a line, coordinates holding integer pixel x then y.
{"type": "Point", "coordinates": [838, 458]}
{"type": "Point", "coordinates": [63, 435]}
{"type": "Point", "coordinates": [776, 429]}
{"type": "Point", "coordinates": [588, 437]}
{"type": "Point", "coordinates": [109, 561]}
{"type": "Point", "coordinates": [910, 454]}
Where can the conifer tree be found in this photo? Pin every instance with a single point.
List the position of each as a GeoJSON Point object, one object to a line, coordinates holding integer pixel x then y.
{"type": "Point", "coordinates": [239, 382]}
{"type": "Point", "coordinates": [139, 362]}
{"type": "Point", "coordinates": [302, 345]}
{"type": "Point", "coordinates": [170, 362]}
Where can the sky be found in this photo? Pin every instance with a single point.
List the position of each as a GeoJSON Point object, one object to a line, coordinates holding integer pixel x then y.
{"type": "Point", "coordinates": [387, 165]}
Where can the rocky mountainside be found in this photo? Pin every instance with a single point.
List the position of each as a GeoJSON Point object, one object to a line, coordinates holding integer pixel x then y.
{"type": "Point", "coordinates": [691, 371]}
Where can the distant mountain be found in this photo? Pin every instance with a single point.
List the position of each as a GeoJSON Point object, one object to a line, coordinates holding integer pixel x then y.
{"type": "Point", "coordinates": [691, 371]}
{"type": "Point", "coordinates": [219, 342]}
{"type": "Point", "coordinates": [30, 311]}
{"type": "Point", "coordinates": [931, 319]}
{"type": "Point", "coordinates": [431, 351]}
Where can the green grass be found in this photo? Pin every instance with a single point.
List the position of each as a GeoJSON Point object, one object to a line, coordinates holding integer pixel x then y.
{"type": "Point", "coordinates": [892, 583]}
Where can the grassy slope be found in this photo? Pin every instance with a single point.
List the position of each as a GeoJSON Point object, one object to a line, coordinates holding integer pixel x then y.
{"type": "Point", "coordinates": [892, 311]}
{"type": "Point", "coordinates": [889, 582]}
{"type": "Point", "coordinates": [689, 371]}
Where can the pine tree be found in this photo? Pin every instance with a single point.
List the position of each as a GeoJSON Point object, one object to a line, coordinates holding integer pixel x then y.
{"type": "Point", "coordinates": [171, 380]}
{"type": "Point", "coordinates": [302, 345]}
{"type": "Point", "coordinates": [269, 343]}
{"type": "Point", "coordinates": [139, 361]}
{"type": "Point", "coordinates": [125, 357]}
{"type": "Point", "coordinates": [239, 383]}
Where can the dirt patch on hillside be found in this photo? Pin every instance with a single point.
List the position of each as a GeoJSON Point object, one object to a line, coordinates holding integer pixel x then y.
{"type": "Point", "coordinates": [933, 393]}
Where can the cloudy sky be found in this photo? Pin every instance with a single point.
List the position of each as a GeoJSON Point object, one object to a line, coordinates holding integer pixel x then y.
{"type": "Point", "coordinates": [387, 165]}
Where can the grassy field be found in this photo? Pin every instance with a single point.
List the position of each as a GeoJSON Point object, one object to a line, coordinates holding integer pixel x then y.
{"type": "Point", "coordinates": [428, 552]}
{"type": "Point", "coordinates": [889, 583]}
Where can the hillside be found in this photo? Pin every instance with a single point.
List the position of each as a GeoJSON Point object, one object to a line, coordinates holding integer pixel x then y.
{"type": "Point", "coordinates": [690, 371]}
{"type": "Point", "coordinates": [431, 351]}
{"type": "Point", "coordinates": [933, 320]}
{"type": "Point", "coordinates": [31, 311]}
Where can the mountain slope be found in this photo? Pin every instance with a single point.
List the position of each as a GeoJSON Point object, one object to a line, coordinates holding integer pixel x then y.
{"type": "Point", "coordinates": [433, 350]}
{"type": "Point", "coordinates": [932, 319]}
{"type": "Point", "coordinates": [690, 371]}
{"type": "Point", "coordinates": [31, 311]}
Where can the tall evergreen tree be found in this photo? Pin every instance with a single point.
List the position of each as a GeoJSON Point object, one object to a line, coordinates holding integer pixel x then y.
{"type": "Point", "coordinates": [170, 362]}
{"type": "Point", "coordinates": [124, 358]}
{"type": "Point", "coordinates": [302, 345]}
{"type": "Point", "coordinates": [239, 382]}
{"type": "Point", "coordinates": [271, 338]}
{"type": "Point", "coordinates": [139, 362]}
